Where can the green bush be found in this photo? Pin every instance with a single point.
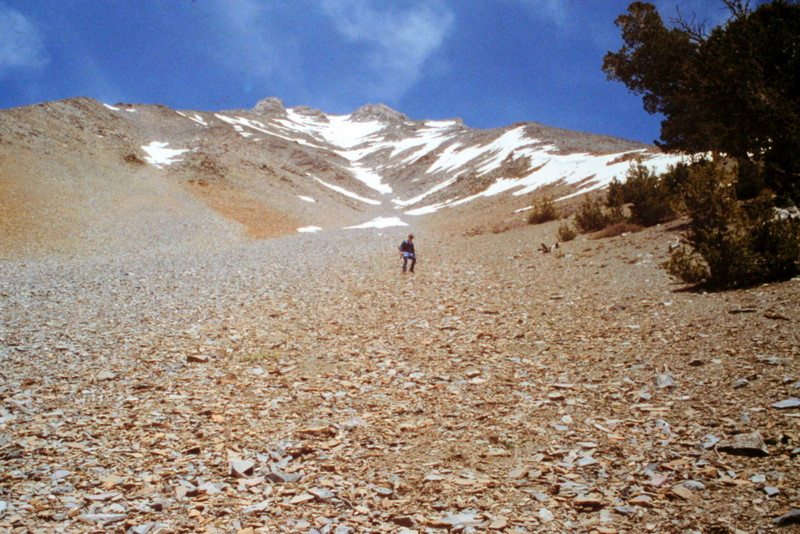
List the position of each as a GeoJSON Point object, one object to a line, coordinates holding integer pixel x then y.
{"type": "Point", "coordinates": [687, 265]}
{"type": "Point", "coordinates": [750, 179]}
{"type": "Point", "coordinates": [650, 198]}
{"type": "Point", "coordinates": [732, 243]}
{"type": "Point", "coordinates": [566, 232]}
{"type": "Point", "coordinates": [677, 176]}
{"type": "Point", "coordinates": [615, 194]}
{"type": "Point", "coordinates": [544, 211]}
{"type": "Point", "coordinates": [592, 216]}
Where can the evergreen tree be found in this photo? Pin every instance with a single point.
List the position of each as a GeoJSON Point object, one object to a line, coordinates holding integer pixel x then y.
{"type": "Point", "coordinates": [735, 91]}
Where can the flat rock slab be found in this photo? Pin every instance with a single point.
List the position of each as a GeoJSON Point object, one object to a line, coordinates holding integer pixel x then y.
{"type": "Point", "coordinates": [462, 519]}
{"type": "Point", "coordinates": [744, 445]}
{"type": "Point", "coordinates": [790, 518]}
{"type": "Point", "coordinates": [787, 404]}
{"type": "Point", "coordinates": [241, 468]}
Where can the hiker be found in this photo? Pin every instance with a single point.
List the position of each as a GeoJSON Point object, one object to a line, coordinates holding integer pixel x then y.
{"type": "Point", "coordinates": [407, 252]}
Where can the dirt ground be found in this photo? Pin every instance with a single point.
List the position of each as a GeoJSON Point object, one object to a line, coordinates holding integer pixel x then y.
{"type": "Point", "coordinates": [304, 384]}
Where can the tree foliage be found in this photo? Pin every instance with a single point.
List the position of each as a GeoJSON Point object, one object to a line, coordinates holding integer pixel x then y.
{"type": "Point", "coordinates": [544, 211]}
{"type": "Point", "coordinates": [735, 90]}
{"type": "Point", "coordinates": [648, 194]}
{"type": "Point", "coordinates": [733, 243]}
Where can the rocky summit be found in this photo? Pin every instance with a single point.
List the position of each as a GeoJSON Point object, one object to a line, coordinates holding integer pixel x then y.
{"type": "Point", "coordinates": [204, 327]}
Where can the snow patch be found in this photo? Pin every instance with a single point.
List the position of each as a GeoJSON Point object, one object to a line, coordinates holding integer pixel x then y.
{"type": "Point", "coordinates": [379, 222]}
{"type": "Point", "coordinates": [347, 193]}
{"type": "Point", "coordinates": [307, 199]}
{"type": "Point", "coordinates": [370, 178]}
{"type": "Point", "coordinates": [197, 118]}
{"type": "Point", "coordinates": [433, 208]}
{"type": "Point", "coordinates": [238, 122]}
{"type": "Point", "coordinates": [418, 198]}
{"type": "Point", "coordinates": [337, 130]}
{"type": "Point", "coordinates": [158, 155]}
{"type": "Point", "coordinates": [309, 229]}
{"type": "Point", "coordinates": [498, 150]}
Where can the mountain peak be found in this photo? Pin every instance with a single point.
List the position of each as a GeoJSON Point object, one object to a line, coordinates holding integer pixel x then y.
{"type": "Point", "coordinates": [377, 112]}
{"type": "Point", "coordinates": [270, 106]}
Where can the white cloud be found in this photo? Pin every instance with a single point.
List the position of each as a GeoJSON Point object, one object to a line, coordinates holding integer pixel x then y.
{"type": "Point", "coordinates": [398, 39]}
{"type": "Point", "coordinates": [256, 42]}
{"type": "Point", "coordinates": [21, 44]}
{"type": "Point", "coordinates": [245, 37]}
{"type": "Point", "coordinates": [554, 11]}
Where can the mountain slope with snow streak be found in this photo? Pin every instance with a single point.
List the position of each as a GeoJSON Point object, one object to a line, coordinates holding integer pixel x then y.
{"type": "Point", "coordinates": [270, 170]}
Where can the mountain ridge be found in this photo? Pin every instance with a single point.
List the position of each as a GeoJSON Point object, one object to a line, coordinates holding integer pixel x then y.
{"type": "Point", "coordinates": [272, 170]}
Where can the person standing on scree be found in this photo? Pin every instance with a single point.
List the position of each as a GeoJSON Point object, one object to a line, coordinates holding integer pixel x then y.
{"type": "Point", "coordinates": [407, 252]}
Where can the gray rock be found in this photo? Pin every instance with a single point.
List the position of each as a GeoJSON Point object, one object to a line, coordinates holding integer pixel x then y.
{"type": "Point", "coordinates": [771, 491]}
{"type": "Point", "coordinates": [790, 518]}
{"type": "Point", "coordinates": [353, 423]}
{"type": "Point", "coordinates": [212, 488]}
{"type": "Point", "coordinates": [278, 477]}
{"type": "Point", "coordinates": [741, 383]}
{"type": "Point", "coordinates": [546, 515]}
{"type": "Point", "coordinates": [694, 485]}
{"type": "Point", "coordinates": [103, 519]}
{"type": "Point", "coordinates": [709, 440]}
{"type": "Point", "coordinates": [462, 519]}
{"type": "Point", "coordinates": [147, 528]}
{"type": "Point", "coordinates": [58, 475]}
{"type": "Point", "coordinates": [321, 494]}
{"type": "Point", "coordinates": [241, 468]}
{"type": "Point", "coordinates": [115, 508]}
{"type": "Point", "coordinates": [794, 402]}
{"type": "Point", "coordinates": [744, 445]}
{"type": "Point", "coordinates": [270, 106]}
{"type": "Point", "coordinates": [258, 508]}
{"type": "Point", "coordinates": [664, 380]}
{"type": "Point", "coordinates": [101, 497]}
{"type": "Point", "coordinates": [571, 489]}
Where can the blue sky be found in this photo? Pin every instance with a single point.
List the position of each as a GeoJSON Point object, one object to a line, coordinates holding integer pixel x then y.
{"type": "Point", "coordinates": [490, 62]}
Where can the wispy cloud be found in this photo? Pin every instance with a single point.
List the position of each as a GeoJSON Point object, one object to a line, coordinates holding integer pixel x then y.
{"type": "Point", "coordinates": [21, 44]}
{"type": "Point", "coordinates": [244, 36]}
{"type": "Point", "coordinates": [256, 44]}
{"type": "Point", "coordinates": [398, 40]}
{"type": "Point", "coordinates": [553, 11]}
